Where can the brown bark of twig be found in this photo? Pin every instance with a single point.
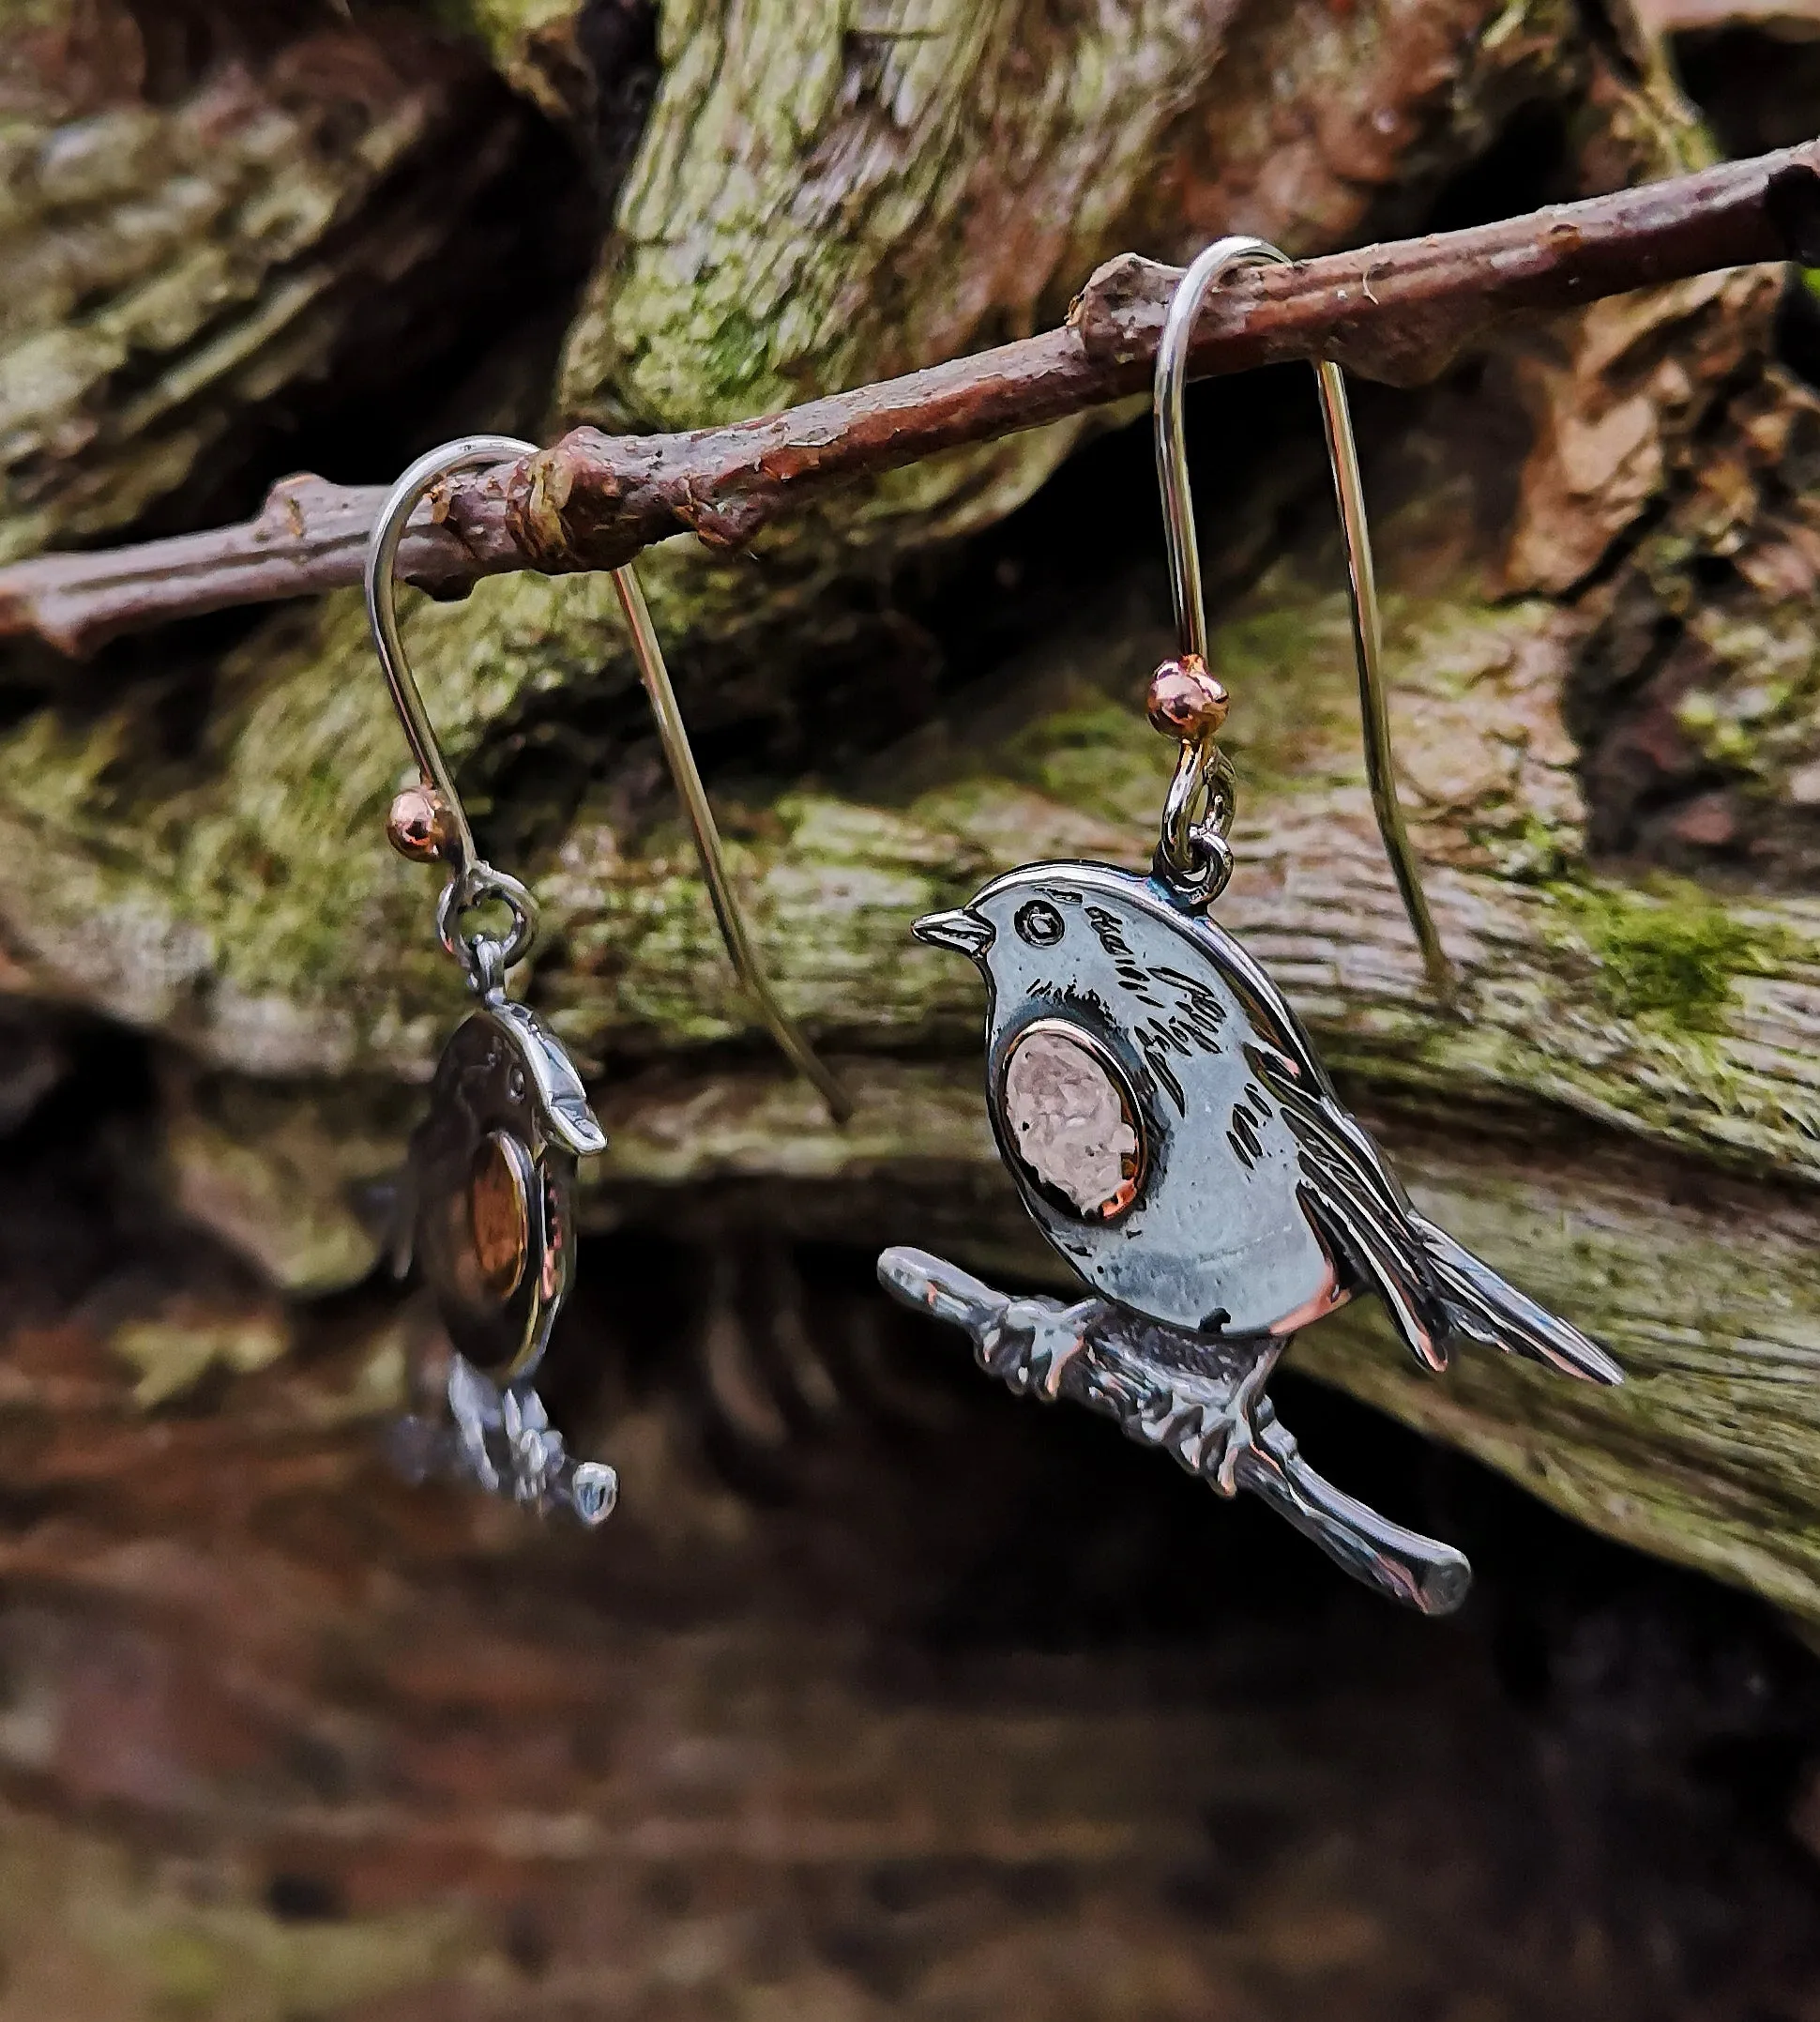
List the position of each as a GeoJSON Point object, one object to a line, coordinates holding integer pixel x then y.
{"type": "Point", "coordinates": [1398, 312]}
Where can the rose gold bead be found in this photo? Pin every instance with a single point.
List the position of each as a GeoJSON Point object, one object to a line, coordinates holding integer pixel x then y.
{"type": "Point", "coordinates": [418, 826]}
{"type": "Point", "coordinates": [1185, 700]}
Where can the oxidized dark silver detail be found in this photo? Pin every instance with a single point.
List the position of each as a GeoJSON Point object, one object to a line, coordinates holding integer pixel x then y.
{"type": "Point", "coordinates": [1264, 1203]}
{"type": "Point", "coordinates": [1039, 924]}
{"type": "Point", "coordinates": [489, 1207]}
{"type": "Point", "coordinates": [500, 1439]}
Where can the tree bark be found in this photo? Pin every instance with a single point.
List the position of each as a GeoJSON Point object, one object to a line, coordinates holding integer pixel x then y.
{"type": "Point", "coordinates": [1599, 535]}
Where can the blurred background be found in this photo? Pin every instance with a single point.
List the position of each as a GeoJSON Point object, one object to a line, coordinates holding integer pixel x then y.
{"type": "Point", "coordinates": [883, 1692]}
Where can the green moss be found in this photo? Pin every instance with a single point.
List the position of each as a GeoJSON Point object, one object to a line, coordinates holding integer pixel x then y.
{"type": "Point", "coordinates": [1535, 852]}
{"type": "Point", "coordinates": [502, 25]}
{"type": "Point", "coordinates": [1289, 669]}
{"type": "Point", "coordinates": [737, 355]}
{"type": "Point", "coordinates": [1670, 955]}
{"type": "Point", "coordinates": [1097, 756]}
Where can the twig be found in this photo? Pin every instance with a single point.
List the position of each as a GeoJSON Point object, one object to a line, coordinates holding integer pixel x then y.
{"type": "Point", "coordinates": [594, 501]}
{"type": "Point", "coordinates": [309, 536]}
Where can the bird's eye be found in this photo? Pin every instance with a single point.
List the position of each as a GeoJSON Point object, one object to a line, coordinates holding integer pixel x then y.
{"type": "Point", "coordinates": [1039, 924]}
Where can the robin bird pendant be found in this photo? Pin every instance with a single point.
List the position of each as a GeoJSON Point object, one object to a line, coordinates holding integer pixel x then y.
{"type": "Point", "coordinates": [1175, 1138]}
{"type": "Point", "coordinates": [490, 1216]}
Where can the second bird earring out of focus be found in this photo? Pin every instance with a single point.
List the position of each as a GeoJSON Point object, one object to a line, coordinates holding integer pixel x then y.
{"type": "Point", "coordinates": [1168, 1125]}
{"type": "Point", "coordinates": [489, 1216]}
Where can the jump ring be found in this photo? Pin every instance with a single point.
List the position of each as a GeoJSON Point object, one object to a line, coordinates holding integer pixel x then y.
{"type": "Point", "coordinates": [476, 887]}
{"type": "Point", "coordinates": [1201, 803]}
{"type": "Point", "coordinates": [1199, 880]}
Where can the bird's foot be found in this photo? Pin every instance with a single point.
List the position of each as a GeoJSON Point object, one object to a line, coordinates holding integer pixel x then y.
{"type": "Point", "coordinates": [502, 1441]}
{"type": "Point", "coordinates": [1239, 1424]}
{"type": "Point", "coordinates": [1207, 1420]}
{"type": "Point", "coordinates": [1033, 1342]}
{"type": "Point", "coordinates": [1206, 1440]}
{"type": "Point", "coordinates": [1199, 1399]}
{"type": "Point", "coordinates": [1028, 1343]}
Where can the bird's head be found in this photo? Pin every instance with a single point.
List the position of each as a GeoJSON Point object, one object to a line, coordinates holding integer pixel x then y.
{"type": "Point", "coordinates": [1017, 921]}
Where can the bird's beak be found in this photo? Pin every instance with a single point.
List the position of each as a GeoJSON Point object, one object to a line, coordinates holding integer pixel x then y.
{"type": "Point", "coordinates": [963, 931]}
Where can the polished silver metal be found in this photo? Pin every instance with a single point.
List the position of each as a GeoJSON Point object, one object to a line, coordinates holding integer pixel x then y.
{"type": "Point", "coordinates": [1264, 1203]}
{"type": "Point", "coordinates": [661, 694]}
{"type": "Point", "coordinates": [1198, 1398]}
{"type": "Point", "coordinates": [491, 1179]}
{"type": "Point", "coordinates": [1201, 1178]}
{"type": "Point", "coordinates": [1193, 852]}
{"type": "Point", "coordinates": [488, 1212]}
{"type": "Point", "coordinates": [472, 452]}
{"type": "Point", "coordinates": [472, 883]}
{"type": "Point", "coordinates": [1190, 853]}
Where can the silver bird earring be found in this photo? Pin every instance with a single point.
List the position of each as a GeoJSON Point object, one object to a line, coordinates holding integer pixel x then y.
{"type": "Point", "coordinates": [1167, 1121]}
{"type": "Point", "coordinates": [489, 1216]}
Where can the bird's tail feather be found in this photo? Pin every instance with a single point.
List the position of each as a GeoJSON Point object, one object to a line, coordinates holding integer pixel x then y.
{"type": "Point", "coordinates": [1482, 1305]}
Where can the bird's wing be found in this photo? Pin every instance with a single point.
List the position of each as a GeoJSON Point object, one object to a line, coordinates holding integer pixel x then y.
{"type": "Point", "coordinates": [1266, 1008]}
{"type": "Point", "coordinates": [1357, 1202]}
{"type": "Point", "coordinates": [1432, 1286]}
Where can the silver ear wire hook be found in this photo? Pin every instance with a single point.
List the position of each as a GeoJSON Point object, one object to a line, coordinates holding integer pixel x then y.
{"type": "Point", "coordinates": [1190, 606]}
{"type": "Point", "coordinates": [472, 882]}
{"type": "Point", "coordinates": [693, 794]}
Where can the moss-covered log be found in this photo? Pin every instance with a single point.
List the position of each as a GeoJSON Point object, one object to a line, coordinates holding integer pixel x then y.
{"type": "Point", "coordinates": [219, 225]}
{"type": "Point", "coordinates": [1597, 537]}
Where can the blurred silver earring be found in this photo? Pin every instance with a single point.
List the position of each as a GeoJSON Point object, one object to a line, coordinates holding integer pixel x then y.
{"type": "Point", "coordinates": [489, 1215]}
